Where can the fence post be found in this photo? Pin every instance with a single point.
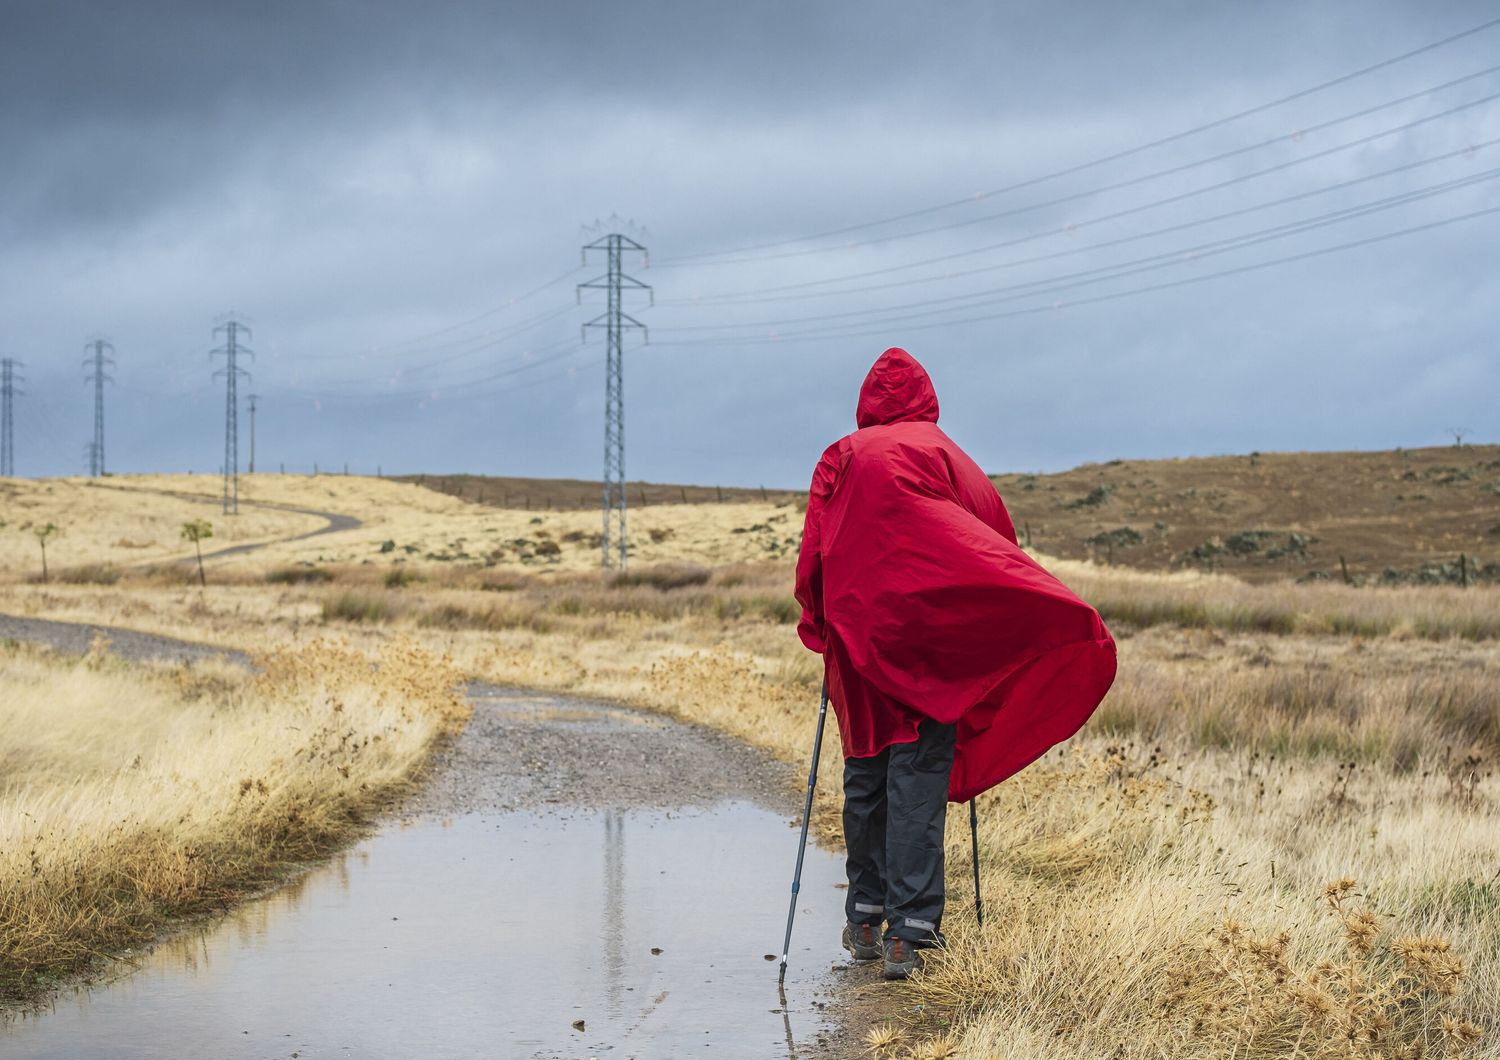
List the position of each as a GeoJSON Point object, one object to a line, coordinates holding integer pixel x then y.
{"type": "Point", "coordinates": [1344, 567]}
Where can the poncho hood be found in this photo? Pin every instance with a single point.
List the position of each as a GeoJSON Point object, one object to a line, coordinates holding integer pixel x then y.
{"type": "Point", "coordinates": [896, 390]}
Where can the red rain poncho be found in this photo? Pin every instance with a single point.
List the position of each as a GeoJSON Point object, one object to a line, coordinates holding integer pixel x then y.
{"type": "Point", "coordinates": [922, 604]}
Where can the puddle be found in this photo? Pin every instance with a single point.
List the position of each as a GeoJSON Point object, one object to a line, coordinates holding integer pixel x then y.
{"type": "Point", "coordinates": [489, 936]}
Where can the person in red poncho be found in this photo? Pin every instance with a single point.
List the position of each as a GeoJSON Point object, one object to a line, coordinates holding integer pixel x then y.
{"type": "Point", "coordinates": [953, 659]}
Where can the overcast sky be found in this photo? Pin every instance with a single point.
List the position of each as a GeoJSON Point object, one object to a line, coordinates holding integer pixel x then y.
{"type": "Point", "coordinates": [393, 195]}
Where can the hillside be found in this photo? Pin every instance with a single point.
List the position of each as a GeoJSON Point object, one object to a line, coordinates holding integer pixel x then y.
{"type": "Point", "coordinates": [1394, 516]}
{"type": "Point", "coordinates": [561, 494]}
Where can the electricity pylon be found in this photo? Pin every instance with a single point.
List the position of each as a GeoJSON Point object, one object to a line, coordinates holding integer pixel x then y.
{"type": "Point", "coordinates": [252, 399]}
{"type": "Point", "coordinates": [8, 394]}
{"type": "Point", "coordinates": [614, 320]}
{"type": "Point", "coordinates": [98, 366]}
{"type": "Point", "coordinates": [231, 351]}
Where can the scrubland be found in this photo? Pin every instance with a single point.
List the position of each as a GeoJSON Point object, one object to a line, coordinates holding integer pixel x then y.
{"type": "Point", "coordinates": [132, 525]}
{"type": "Point", "coordinates": [1278, 837]}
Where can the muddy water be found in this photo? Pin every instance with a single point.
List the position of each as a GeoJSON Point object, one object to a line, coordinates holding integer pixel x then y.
{"type": "Point", "coordinates": [488, 934]}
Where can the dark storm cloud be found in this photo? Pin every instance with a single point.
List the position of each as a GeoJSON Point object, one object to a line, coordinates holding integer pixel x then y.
{"type": "Point", "coordinates": [355, 174]}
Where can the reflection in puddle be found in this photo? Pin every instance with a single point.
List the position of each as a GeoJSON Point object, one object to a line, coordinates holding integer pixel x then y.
{"type": "Point", "coordinates": [488, 936]}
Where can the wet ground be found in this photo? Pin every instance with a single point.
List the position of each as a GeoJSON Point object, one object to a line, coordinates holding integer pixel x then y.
{"type": "Point", "coordinates": [575, 880]}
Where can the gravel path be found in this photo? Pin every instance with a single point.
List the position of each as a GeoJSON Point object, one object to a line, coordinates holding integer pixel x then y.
{"type": "Point", "coordinates": [520, 750]}
{"type": "Point", "coordinates": [525, 750]}
{"type": "Point", "coordinates": [74, 638]}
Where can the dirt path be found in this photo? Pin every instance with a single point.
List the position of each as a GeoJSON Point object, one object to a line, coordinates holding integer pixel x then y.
{"type": "Point", "coordinates": [74, 638]}
{"type": "Point", "coordinates": [337, 521]}
{"type": "Point", "coordinates": [508, 813]}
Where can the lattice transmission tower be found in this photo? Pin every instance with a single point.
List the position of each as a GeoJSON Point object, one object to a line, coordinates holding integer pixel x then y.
{"type": "Point", "coordinates": [251, 400]}
{"type": "Point", "coordinates": [231, 351]}
{"type": "Point", "coordinates": [614, 320]}
{"type": "Point", "coordinates": [8, 392]}
{"type": "Point", "coordinates": [98, 364]}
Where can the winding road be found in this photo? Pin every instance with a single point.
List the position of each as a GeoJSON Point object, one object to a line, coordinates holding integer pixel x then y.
{"type": "Point", "coordinates": [337, 521]}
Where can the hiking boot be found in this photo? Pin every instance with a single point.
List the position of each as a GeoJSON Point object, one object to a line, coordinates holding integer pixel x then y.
{"type": "Point", "coordinates": [936, 941]}
{"type": "Point", "coordinates": [900, 958]}
{"type": "Point", "coordinates": [862, 941]}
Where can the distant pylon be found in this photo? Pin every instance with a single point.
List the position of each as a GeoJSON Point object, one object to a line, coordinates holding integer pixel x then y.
{"type": "Point", "coordinates": [252, 399]}
{"type": "Point", "coordinates": [8, 394]}
{"type": "Point", "coordinates": [98, 366]}
{"type": "Point", "coordinates": [614, 321]}
{"type": "Point", "coordinates": [231, 350]}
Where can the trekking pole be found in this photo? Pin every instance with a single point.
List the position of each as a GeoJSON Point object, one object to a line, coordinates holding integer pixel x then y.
{"type": "Point", "coordinates": [974, 835]}
{"type": "Point", "coordinates": [812, 780]}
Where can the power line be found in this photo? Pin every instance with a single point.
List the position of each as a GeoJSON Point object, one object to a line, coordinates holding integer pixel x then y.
{"type": "Point", "coordinates": [1126, 268]}
{"type": "Point", "coordinates": [475, 346]}
{"type": "Point", "coordinates": [469, 343]}
{"type": "Point", "coordinates": [1182, 167]}
{"type": "Point", "coordinates": [570, 347]}
{"type": "Point", "coordinates": [825, 334]}
{"type": "Point", "coordinates": [614, 320]}
{"type": "Point", "coordinates": [508, 303]}
{"type": "Point", "coordinates": [732, 299]}
{"type": "Point", "coordinates": [1103, 159]}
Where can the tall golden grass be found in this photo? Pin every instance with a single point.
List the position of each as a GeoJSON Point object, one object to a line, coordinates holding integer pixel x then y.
{"type": "Point", "coordinates": [1157, 889]}
{"type": "Point", "coordinates": [1135, 598]}
{"type": "Point", "coordinates": [130, 798]}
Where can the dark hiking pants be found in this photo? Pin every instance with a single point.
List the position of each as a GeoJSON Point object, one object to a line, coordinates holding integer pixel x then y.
{"type": "Point", "coordinates": [895, 805]}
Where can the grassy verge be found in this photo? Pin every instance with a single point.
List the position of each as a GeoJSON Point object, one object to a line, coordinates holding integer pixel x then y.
{"type": "Point", "coordinates": [1155, 890]}
{"type": "Point", "coordinates": [132, 797]}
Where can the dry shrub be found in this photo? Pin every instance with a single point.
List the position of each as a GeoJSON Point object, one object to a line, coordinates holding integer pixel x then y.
{"type": "Point", "coordinates": [491, 618]}
{"type": "Point", "coordinates": [90, 574]}
{"type": "Point", "coordinates": [504, 583]}
{"type": "Point", "coordinates": [1382, 997]}
{"type": "Point", "coordinates": [299, 575]}
{"type": "Point", "coordinates": [665, 576]}
{"type": "Point", "coordinates": [131, 798]}
{"type": "Point", "coordinates": [354, 605]}
{"type": "Point", "coordinates": [399, 578]}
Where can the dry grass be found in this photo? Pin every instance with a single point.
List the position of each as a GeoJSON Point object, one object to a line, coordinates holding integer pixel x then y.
{"type": "Point", "coordinates": [106, 525]}
{"type": "Point", "coordinates": [1139, 599]}
{"type": "Point", "coordinates": [1139, 909]}
{"type": "Point", "coordinates": [131, 798]}
{"type": "Point", "coordinates": [1261, 741]}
